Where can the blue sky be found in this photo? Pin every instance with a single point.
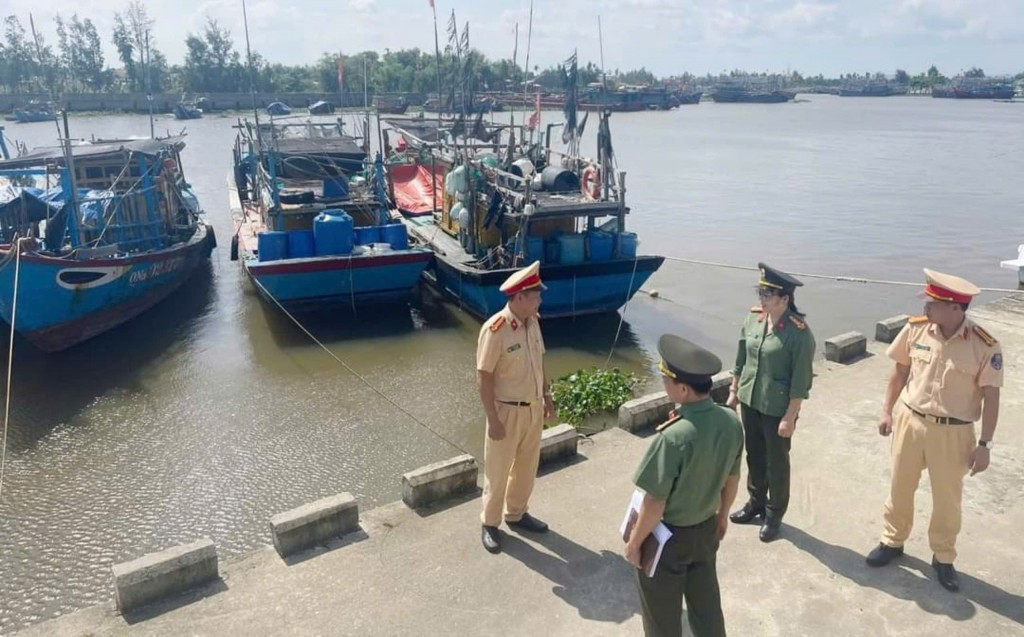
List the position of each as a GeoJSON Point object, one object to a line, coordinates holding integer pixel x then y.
{"type": "Point", "coordinates": [666, 36]}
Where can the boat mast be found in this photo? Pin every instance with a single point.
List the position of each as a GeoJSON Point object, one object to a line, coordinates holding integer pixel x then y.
{"type": "Point", "coordinates": [600, 41]}
{"type": "Point", "coordinates": [149, 85]}
{"type": "Point", "coordinates": [437, 63]}
{"type": "Point", "coordinates": [252, 76]}
{"type": "Point", "coordinates": [77, 237]}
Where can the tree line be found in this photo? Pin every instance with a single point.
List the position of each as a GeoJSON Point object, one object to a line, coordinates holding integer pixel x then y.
{"type": "Point", "coordinates": [75, 63]}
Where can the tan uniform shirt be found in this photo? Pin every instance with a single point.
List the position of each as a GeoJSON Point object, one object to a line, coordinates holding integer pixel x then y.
{"type": "Point", "coordinates": [946, 375]}
{"type": "Point", "coordinates": [513, 351]}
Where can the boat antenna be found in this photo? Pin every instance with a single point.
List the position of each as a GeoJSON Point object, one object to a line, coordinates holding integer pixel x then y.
{"type": "Point", "coordinates": [526, 67]}
{"type": "Point", "coordinates": [252, 76]}
{"type": "Point", "coordinates": [149, 85]}
{"type": "Point", "coordinates": [437, 63]}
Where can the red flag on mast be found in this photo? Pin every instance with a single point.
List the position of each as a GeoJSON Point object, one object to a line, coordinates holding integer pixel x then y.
{"type": "Point", "coordinates": [535, 117]}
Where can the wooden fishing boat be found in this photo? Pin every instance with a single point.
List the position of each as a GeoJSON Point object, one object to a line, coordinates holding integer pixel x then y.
{"type": "Point", "coordinates": [95, 234]}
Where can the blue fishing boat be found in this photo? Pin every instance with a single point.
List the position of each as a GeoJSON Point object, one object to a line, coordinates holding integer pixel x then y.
{"type": "Point", "coordinates": [313, 227]}
{"type": "Point", "coordinates": [533, 204]}
{"type": "Point", "coordinates": [188, 108]}
{"type": "Point", "coordinates": [95, 234]}
{"type": "Point", "coordinates": [279, 109]}
{"type": "Point", "coordinates": [35, 111]}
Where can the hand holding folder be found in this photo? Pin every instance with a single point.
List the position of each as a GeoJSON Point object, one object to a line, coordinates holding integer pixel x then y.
{"type": "Point", "coordinates": [653, 544]}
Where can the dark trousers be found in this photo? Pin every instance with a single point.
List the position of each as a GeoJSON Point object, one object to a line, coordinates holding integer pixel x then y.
{"type": "Point", "coordinates": [767, 462]}
{"type": "Point", "coordinates": [686, 570]}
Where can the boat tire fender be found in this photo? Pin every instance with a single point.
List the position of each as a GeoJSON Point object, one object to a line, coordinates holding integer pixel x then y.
{"type": "Point", "coordinates": [590, 182]}
{"type": "Point", "coordinates": [234, 248]}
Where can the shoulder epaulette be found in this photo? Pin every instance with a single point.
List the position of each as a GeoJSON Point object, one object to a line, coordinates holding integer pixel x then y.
{"type": "Point", "coordinates": [668, 423]}
{"type": "Point", "coordinates": [985, 336]}
{"type": "Point", "coordinates": [496, 325]}
{"type": "Point", "coordinates": [795, 320]}
{"type": "Point", "coordinates": [757, 308]}
{"type": "Point", "coordinates": [920, 318]}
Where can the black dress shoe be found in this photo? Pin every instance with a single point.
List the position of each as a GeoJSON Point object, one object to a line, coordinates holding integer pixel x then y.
{"type": "Point", "coordinates": [747, 514]}
{"type": "Point", "coordinates": [770, 530]}
{"type": "Point", "coordinates": [491, 538]}
{"type": "Point", "coordinates": [529, 523]}
{"type": "Point", "coordinates": [947, 575]}
{"type": "Point", "coordinates": [883, 554]}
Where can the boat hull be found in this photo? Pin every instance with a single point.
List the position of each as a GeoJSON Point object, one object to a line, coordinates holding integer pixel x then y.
{"type": "Point", "coordinates": [573, 290]}
{"type": "Point", "coordinates": [317, 282]}
{"type": "Point", "coordinates": [63, 302]}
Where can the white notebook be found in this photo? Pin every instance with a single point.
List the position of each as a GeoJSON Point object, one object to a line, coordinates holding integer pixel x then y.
{"type": "Point", "coordinates": [653, 544]}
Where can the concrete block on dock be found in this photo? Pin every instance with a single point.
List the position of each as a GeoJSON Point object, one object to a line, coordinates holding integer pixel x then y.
{"type": "Point", "coordinates": [646, 411]}
{"type": "Point", "coordinates": [439, 481]}
{"type": "Point", "coordinates": [167, 573]}
{"type": "Point", "coordinates": [887, 329]}
{"type": "Point", "coordinates": [720, 383]}
{"type": "Point", "coordinates": [846, 347]}
{"type": "Point", "coordinates": [314, 523]}
{"type": "Point", "coordinates": [558, 442]}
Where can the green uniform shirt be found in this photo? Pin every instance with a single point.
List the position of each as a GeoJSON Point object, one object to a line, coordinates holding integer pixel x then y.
{"type": "Point", "coordinates": [774, 367]}
{"type": "Point", "coordinates": [688, 462]}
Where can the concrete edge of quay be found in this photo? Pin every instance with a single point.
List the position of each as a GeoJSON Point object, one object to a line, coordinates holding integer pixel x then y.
{"type": "Point", "coordinates": [158, 582]}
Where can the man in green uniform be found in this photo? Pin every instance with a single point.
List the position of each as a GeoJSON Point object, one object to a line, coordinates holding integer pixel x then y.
{"type": "Point", "coordinates": [689, 475]}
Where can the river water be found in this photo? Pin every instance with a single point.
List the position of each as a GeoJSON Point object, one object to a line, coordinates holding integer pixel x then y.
{"type": "Point", "coordinates": [211, 413]}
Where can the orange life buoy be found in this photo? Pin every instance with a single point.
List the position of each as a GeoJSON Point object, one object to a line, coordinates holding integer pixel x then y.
{"type": "Point", "coordinates": [590, 182]}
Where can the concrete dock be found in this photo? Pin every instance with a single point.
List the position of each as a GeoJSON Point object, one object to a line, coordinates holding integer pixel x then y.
{"type": "Point", "coordinates": [424, 572]}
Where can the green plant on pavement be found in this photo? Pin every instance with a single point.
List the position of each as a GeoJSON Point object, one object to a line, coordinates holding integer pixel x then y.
{"type": "Point", "coordinates": [585, 393]}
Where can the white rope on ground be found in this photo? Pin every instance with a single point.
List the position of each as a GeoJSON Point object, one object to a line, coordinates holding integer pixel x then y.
{"type": "Point", "coordinates": [10, 362]}
{"type": "Point", "coordinates": [350, 370]}
{"type": "Point", "coordinates": [834, 277]}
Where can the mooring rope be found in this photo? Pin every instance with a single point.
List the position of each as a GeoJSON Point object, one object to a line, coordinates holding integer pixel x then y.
{"type": "Point", "coordinates": [622, 314]}
{"type": "Point", "coordinates": [352, 371]}
{"type": "Point", "coordinates": [834, 277]}
{"type": "Point", "coordinates": [10, 361]}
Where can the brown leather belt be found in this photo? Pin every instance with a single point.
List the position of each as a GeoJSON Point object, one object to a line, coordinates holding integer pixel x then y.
{"type": "Point", "coordinates": [515, 403]}
{"type": "Point", "coordinates": [939, 420]}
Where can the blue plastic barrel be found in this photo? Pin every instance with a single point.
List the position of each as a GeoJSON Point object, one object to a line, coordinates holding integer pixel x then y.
{"type": "Point", "coordinates": [627, 245]}
{"type": "Point", "coordinates": [336, 187]}
{"type": "Point", "coordinates": [534, 249]}
{"type": "Point", "coordinates": [396, 235]}
{"type": "Point", "coordinates": [552, 250]}
{"type": "Point", "coordinates": [366, 235]}
{"type": "Point", "coordinates": [301, 244]}
{"type": "Point", "coordinates": [600, 245]}
{"type": "Point", "coordinates": [332, 233]}
{"type": "Point", "coordinates": [570, 247]}
{"type": "Point", "coordinates": [272, 245]}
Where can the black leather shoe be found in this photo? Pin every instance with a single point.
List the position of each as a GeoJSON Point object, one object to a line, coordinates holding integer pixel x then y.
{"type": "Point", "coordinates": [747, 514]}
{"type": "Point", "coordinates": [947, 575]}
{"type": "Point", "coordinates": [770, 530]}
{"type": "Point", "coordinates": [529, 523]}
{"type": "Point", "coordinates": [882, 554]}
{"type": "Point", "coordinates": [491, 538]}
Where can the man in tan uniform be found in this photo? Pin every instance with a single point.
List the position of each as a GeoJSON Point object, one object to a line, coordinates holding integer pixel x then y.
{"type": "Point", "coordinates": [514, 391]}
{"type": "Point", "coordinates": [948, 373]}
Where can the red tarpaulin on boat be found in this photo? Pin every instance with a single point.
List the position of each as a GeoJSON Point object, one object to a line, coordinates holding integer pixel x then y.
{"type": "Point", "coordinates": [416, 193]}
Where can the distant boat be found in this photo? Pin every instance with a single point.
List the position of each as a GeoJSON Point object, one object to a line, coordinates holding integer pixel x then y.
{"type": "Point", "coordinates": [975, 88]}
{"type": "Point", "coordinates": [390, 105]}
{"type": "Point", "coordinates": [872, 89]}
{"type": "Point", "coordinates": [278, 109]}
{"type": "Point", "coordinates": [314, 230]}
{"type": "Point", "coordinates": [131, 233]}
{"type": "Point", "coordinates": [35, 111]}
{"type": "Point", "coordinates": [187, 108]}
{"type": "Point", "coordinates": [732, 94]}
{"type": "Point", "coordinates": [320, 108]}
{"type": "Point", "coordinates": [689, 98]}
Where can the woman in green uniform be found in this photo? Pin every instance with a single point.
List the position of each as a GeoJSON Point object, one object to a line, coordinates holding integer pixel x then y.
{"type": "Point", "coordinates": [771, 379]}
